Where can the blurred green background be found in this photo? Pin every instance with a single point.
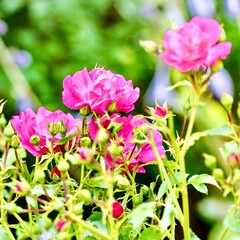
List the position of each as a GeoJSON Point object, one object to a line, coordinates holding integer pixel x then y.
{"type": "Point", "coordinates": [42, 41]}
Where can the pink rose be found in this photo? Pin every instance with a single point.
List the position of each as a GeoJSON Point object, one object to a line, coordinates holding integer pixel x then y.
{"type": "Point", "coordinates": [195, 44]}
{"type": "Point", "coordinates": [30, 124]}
{"type": "Point", "coordinates": [100, 91]}
{"type": "Point", "coordinates": [133, 154]}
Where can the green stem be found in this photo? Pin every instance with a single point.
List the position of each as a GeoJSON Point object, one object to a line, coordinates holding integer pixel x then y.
{"type": "Point", "coordinates": [100, 235]}
{"type": "Point", "coordinates": [182, 164]}
{"type": "Point", "coordinates": [9, 232]}
{"type": "Point", "coordinates": [163, 171]}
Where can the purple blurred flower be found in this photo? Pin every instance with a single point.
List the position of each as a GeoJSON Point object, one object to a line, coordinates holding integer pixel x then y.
{"type": "Point", "coordinates": [148, 9]}
{"type": "Point", "coordinates": [203, 8]}
{"type": "Point", "coordinates": [232, 7]}
{"type": "Point", "coordinates": [3, 28]}
{"type": "Point", "coordinates": [22, 58]}
{"type": "Point", "coordinates": [221, 82]}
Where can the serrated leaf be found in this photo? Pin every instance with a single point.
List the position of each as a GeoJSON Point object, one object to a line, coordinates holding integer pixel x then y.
{"type": "Point", "coordinates": [140, 213]}
{"type": "Point", "coordinates": [66, 139]}
{"type": "Point", "coordinates": [150, 233]}
{"type": "Point", "coordinates": [199, 181]}
{"type": "Point", "coordinates": [222, 130]}
{"type": "Point", "coordinates": [3, 234]}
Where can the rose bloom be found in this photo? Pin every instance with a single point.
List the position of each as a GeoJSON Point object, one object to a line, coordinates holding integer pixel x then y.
{"type": "Point", "coordinates": [132, 154]}
{"type": "Point", "coordinates": [100, 91]}
{"type": "Point", "coordinates": [195, 44]}
{"type": "Point", "coordinates": [29, 123]}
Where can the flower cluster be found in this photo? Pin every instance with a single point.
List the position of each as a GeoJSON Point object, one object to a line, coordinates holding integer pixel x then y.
{"type": "Point", "coordinates": [38, 130]}
{"type": "Point", "coordinates": [84, 181]}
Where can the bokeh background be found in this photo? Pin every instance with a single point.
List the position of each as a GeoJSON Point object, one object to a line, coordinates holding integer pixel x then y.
{"type": "Point", "coordinates": [42, 41]}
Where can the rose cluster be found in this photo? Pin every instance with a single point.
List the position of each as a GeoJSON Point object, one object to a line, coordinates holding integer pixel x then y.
{"type": "Point", "coordinates": [102, 95]}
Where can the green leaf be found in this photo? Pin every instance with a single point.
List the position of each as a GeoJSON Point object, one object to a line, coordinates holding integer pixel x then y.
{"type": "Point", "coordinates": [199, 181]}
{"type": "Point", "coordinates": [167, 215]}
{"type": "Point", "coordinates": [31, 201]}
{"type": "Point", "coordinates": [150, 233]}
{"type": "Point", "coordinates": [98, 181]}
{"type": "Point", "coordinates": [232, 223]}
{"type": "Point", "coordinates": [3, 234]}
{"type": "Point", "coordinates": [179, 84]}
{"type": "Point", "coordinates": [66, 139]}
{"type": "Point", "coordinates": [140, 213]}
{"type": "Point", "coordinates": [222, 130]}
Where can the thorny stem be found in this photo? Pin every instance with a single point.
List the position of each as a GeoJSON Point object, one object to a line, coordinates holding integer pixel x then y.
{"type": "Point", "coordinates": [166, 177]}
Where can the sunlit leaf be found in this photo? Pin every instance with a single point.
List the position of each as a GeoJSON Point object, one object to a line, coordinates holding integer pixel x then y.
{"type": "Point", "coordinates": [232, 223]}
{"type": "Point", "coordinates": [150, 233]}
{"type": "Point", "coordinates": [199, 181]}
{"type": "Point", "coordinates": [140, 213]}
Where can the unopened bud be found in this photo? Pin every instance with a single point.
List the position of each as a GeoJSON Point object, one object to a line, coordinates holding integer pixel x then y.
{"type": "Point", "coordinates": [54, 128]}
{"type": "Point", "coordinates": [137, 199]}
{"type": "Point", "coordinates": [78, 208]}
{"type": "Point", "coordinates": [22, 187]}
{"type": "Point", "coordinates": [218, 173]}
{"type": "Point", "coordinates": [233, 160]}
{"type": "Point", "coordinates": [47, 222]}
{"type": "Point", "coordinates": [55, 174]}
{"type": "Point", "coordinates": [210, 161]}
{"type": "Point", "coordinates": [114, 149]}
{"type": "Point", "coordinates": [85, 141]}
{"type": "Point", "coordinates": [227, 101]}
{"type": "Point", "coordinates": [35, 140]}
{"type": "Point", "coordinates": [39, 175]}
{"type": "Point", "coordinates": [36, 230]}
{"type": "Point", "coordinates": [85, 110]}
{"type": "Point", "coordinates": [112, 107]}
{"type": "Point", "coordinates": [187, 106]}
{"type": "Point", "coordinates": [122, 182]}
{"type": "Point", "coordinates": [149, 46]}
{"type": "Point", "coordinates": [63, 166]}
{"type": "Point", "coordinates": [15, 141]}
{"type": "Point", "coordinates": [8, 130]}
{"type": "Point", "coordinates": [3, 120]}
{"type": "Point", "coordinates": [60, 225]}
{"type": "Point", "coordinates": [85, 195]}
{"type": "Point", "coordinates": [140, 133]}
{"type": "Point", "coordinates": [116, 128]}
{"type": "Point", "coordinates": [102, 136]}
{"type": "Point", "coordinates": [117, 209]}
{"type": "Point", "coordinates": [144, 190]}
{"type": "Point", "coordinates": [62, 128]}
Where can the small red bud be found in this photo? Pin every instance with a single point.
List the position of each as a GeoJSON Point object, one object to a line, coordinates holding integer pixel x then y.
{"type": "Point", "coordinates": [60, 224]}
{"type": "Point", "coordinates": [117, 209]}
{"type": "Point", "coordinates": [55, 173]}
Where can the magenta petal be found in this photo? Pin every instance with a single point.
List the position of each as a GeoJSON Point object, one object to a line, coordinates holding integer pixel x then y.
{"type": "Point", "coordinates": [219, 51]}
